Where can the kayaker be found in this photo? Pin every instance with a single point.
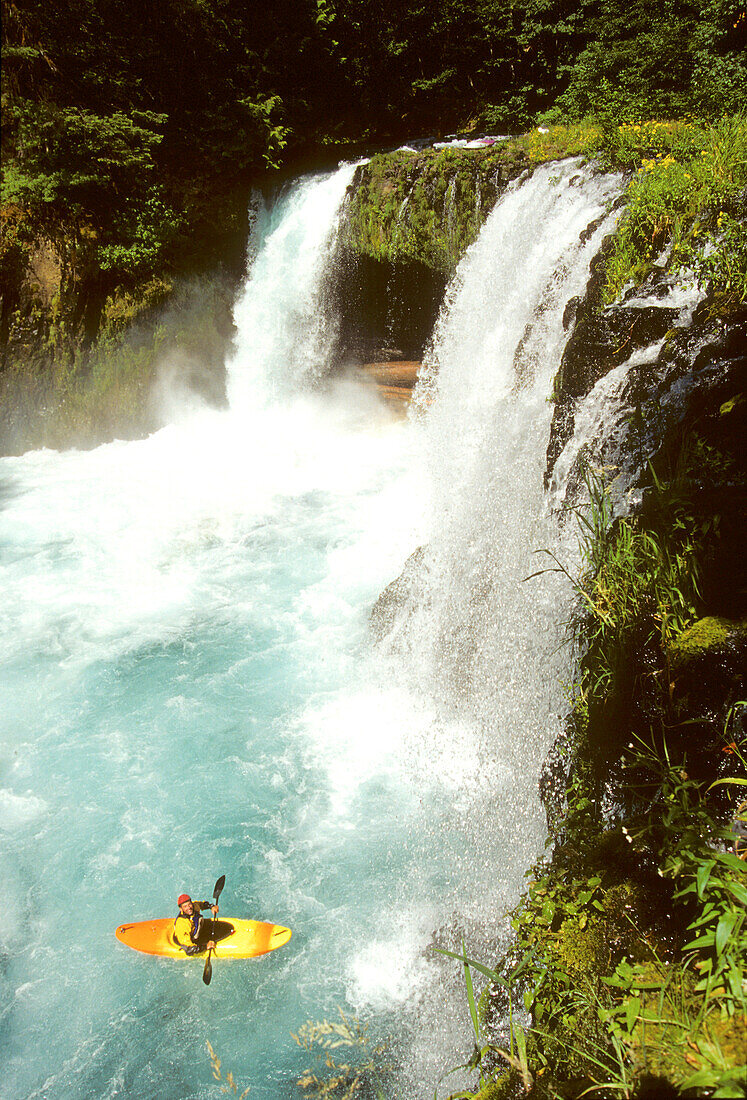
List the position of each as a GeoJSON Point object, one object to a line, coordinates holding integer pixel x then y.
{"type": "Point", "coordinates": [189, 925]}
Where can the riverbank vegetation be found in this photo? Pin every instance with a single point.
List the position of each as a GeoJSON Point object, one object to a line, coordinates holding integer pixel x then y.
{"type": "Point", "coordinates": [628, 962]}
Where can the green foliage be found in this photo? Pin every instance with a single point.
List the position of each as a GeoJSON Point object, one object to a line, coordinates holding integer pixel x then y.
{"type": "Point", "coordinates": [723, 264]}
{"type": "Point", "coordinates": [665, 59]}
{"type": "Point", "coordinates": [106, 149]}
{"type": "Point", "coordinates": [719, 82]}
{"type": "Point", "coordinates": [637, 63]}
{"type": "Point", "coordinates": [683, 196]}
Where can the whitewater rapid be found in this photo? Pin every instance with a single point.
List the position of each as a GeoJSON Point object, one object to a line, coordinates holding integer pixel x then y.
{"type": "Point", "coordinates": [191, 688]}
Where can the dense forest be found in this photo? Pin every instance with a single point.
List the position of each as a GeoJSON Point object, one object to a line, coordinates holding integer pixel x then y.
{"type": "Point", "coordinates": [129, 129]}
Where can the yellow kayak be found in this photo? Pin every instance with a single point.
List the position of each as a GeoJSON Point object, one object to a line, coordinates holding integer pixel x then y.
{"type": "Point", "coordinates": [234, 939]}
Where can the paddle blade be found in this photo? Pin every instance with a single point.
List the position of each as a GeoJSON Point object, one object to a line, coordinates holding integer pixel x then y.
{"type": "Point", "coordinates": [207, 974]}
{"type": "Point", "coordinates": [219, 887]}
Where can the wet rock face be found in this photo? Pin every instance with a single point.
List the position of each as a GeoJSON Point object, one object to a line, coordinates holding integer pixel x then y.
{"type": "Point", "coordinates": [409, 218]}
{"type": "Point", "coordinates": [402, 591]}
{"type": "Point", "coordinates": [387, 309]}
{"type": "Point", "coordinates": [427, 206]}
{"type": "Point", "coordinates": [599, 343]}
{"type": "Point", "coordinates": [651, 363]}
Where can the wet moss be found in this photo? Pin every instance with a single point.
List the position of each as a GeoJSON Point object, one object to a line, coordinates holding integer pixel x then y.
{"type": "Point", "coordinates": [426, 207]}
{"type": "Point", "coordinates": [504, 1088]}
{"type": "Point", "coordinates": [709, 635]}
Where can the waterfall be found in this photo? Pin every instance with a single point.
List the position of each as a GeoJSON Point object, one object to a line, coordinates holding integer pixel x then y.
{"type": "Point", "coordinates": [285, 333]}
{"type": "Point", "coordinates": [483, 419]}
{"type": "Point", "coordinates": [193, 689]}
{"type": "Point", "coordinates": [474, 644]}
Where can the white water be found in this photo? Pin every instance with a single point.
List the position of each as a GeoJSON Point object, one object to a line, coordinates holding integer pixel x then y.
{"type": "Point", "coordinates": [189, 685]}
{"type": "Point", "coordinates": [601, 426]}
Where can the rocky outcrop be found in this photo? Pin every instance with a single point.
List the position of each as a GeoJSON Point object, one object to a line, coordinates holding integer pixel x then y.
{"type": "Point", "coordinates": [394, 381]}
{"type": "Point", "coordinates": [409, 218]}
{"type": "Point", "coordinates": [426, 206]}
{"type": "Point", "coordinates": [650, 365]}
{"type": "Point", "coordinates": [402, 591]}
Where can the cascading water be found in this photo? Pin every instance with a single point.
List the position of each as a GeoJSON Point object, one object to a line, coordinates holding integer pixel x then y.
{"type": "Point", "coordinates": [190, 687]}
{"type": "Point", "coordinates": [475, 643]}
{"type": "Point", "coordinates": [286, 335]}
{"type": "Point", "coordinates": [602, 433]}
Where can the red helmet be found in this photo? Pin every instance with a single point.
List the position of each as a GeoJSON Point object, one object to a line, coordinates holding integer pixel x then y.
{"type": "Point", "coordinates": [182, 898]}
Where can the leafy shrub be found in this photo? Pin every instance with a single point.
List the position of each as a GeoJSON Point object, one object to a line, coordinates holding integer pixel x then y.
{"type": "Point", "coordinates": [683, 197]}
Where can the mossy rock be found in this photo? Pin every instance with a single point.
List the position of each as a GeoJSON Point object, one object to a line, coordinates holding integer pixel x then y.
{"type": "Point", "coordinates": [503, 1088]}
{"type": "Point", "coordinates": [661, 1049]}
{"type": "Point", "coordinates": [709, 636]}
{"type": "Point", "coordinates": [426, 207]}
{"type": "Point", "coordinates": [124, 306]}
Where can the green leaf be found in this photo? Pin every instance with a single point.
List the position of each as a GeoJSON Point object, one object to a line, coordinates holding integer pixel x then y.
{"type": "Point", "coordinates": [705, 916]}
{"type": "Point", "coordinates": [473, 963]}
{"type": "Point", "coordinates": [701, 941]}
{"type": "Point", "coordinates": [471, 996]}
{"type": "Point", "coordinates": [632, 1011]}
{"type": "Point", "coordinates": [737, 890]}
{"type": "Point", "coordinates": [704, 1078]}
{"type": "Point", "coordinates": [724, 930]}
{"type": "Point", "coordinates": [704, 873]}
{"type": "Point", "coordinates": [734, 863]}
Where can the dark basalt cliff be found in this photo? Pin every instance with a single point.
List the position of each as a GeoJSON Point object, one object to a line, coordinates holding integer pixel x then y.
{"type": "Point", "coordinates": [679, 360]}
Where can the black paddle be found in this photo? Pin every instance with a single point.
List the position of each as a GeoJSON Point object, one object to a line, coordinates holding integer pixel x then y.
{"type": "Point", "coordinates": [207, 973]}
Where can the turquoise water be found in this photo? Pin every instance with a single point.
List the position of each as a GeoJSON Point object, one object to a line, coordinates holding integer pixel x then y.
{"type": "Point", "coordinates": [190, 687]}
{"type": "Point", "coordinates": [182, 642]}
{"type": "Point", "coordinates": [174, 691]}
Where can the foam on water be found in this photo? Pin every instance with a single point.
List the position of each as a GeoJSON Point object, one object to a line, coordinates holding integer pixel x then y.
{"type": "Point", "coordinates": [191, 688]}
{"type": "Point", "coordinates": [177, 611]}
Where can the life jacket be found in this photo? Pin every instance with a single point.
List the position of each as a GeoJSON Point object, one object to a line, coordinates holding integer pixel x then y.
{"type": "Point", "coordinates": [186, 928]}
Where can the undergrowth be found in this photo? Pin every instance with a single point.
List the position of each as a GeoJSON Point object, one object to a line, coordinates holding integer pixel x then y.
{"type": "Point", "coordinates": [685, 202]}
{"type": "Point", "coordinates": [629, 954]}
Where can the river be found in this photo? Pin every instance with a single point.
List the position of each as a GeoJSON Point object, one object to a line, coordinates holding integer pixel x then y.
{"type": "Point", "coordinates": [191, 688]}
